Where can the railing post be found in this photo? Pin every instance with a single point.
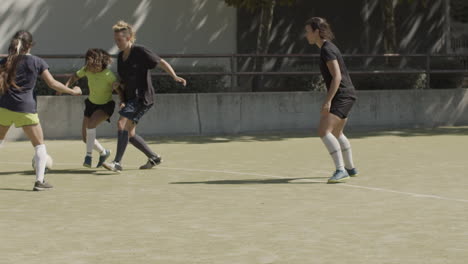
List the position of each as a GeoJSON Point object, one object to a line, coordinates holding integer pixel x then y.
{"type": "Point", "coordinates": [233, 72]}
{"type": "Point", "coordinates": [428, 70]}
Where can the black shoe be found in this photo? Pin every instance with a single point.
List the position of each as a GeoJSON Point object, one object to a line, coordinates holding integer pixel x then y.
{"type": "Point", "coordinates": [151, 163]}
{"type": "Point", "coordinates": [42, 186]}
{"type": "Point", "coordinates": [103, 158]}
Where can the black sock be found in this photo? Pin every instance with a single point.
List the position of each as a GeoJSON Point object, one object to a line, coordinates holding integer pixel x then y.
{"type": "Point", "coordinates": [139, 143]}
{"type": "Point", "coordinates": [122, 142]}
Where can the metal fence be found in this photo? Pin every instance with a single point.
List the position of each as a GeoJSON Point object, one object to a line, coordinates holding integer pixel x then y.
{"type": "Point", "coordinates": [234, 72]}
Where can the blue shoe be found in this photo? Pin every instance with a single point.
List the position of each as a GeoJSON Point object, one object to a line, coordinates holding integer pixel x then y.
{"type": "Point", "coordinates": [103, 158]}
{"type": "Point", "coordinates": [352, 172]}
{"type": "Point", "coordinates": [87, 161]}
{"type": "Point", "coordinates": [339, 176]}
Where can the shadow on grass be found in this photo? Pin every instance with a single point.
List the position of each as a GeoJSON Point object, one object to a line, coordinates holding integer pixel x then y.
{"type": "Point", "coordinates": [16, 190]}
{"type": "Point", "coordinates": [279, 136]}
{"type": "Point", "coordinates": [263, 181]}
{"type": "Point", "coordinates": [226, 139]}
{"type": "Point", "coordinates": [439, 131]}
{"type": "Point", "coordinates": [54, 172]}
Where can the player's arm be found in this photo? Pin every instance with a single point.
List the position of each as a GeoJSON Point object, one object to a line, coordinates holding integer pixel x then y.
{"type": "Point", "coordinates": [334, 69]}
{"type": "Point", "coordinates": [58, 86]}
{"type": "Point", "coordinates": [72, 80]}
{"type": "Point", "coordinates": [118, 87]}
{"type": "Point", "coordinates": [168, 68]}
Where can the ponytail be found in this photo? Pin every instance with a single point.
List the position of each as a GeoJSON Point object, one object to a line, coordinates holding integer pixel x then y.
{"type": "Point", "coordinates": [19, 46]}
{"type": "Point", "coordinates": [323, 26]}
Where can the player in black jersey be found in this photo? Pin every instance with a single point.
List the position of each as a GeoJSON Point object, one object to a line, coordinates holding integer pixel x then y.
{"type": "Point", "coordinates": [340, 98]}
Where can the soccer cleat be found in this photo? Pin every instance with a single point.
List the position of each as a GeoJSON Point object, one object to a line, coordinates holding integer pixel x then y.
{"type": "Point", "coordinates": [339, 176]}
{"type": "Point", "coordinates": [103, 158]}
{"type": "Point", "coordinates": [151, 163]}
{"type": "Point", "coordinates": [352, 172]}
{"type": "Point", "coordinates": [87, 161]}
{"type": "Point", "coordinates": [42, 186]}
{"type": "Point", "coordinates": [113, 166]}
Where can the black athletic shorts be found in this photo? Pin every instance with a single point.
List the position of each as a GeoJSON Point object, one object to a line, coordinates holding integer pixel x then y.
{"type": "Point", "coordinates": [134, 110]}
{"type": "Point", "coordinates": [107, 108]}
{"type": "Point", "coordinates": [341, 106]}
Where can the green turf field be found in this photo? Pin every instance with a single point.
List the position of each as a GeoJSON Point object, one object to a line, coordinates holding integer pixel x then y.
{"type": "Point", "coordinates": [245, 199]}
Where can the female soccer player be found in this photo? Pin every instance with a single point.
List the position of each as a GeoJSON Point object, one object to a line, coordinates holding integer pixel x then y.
{"type": "Point", "coordinates": [99, 106]}
{"type": "Point", "coordinates": [134, 64]}
{"type": "Point", "coordinates": [18, 75]}
{"type": "Point", "coordinates": [339, 101]}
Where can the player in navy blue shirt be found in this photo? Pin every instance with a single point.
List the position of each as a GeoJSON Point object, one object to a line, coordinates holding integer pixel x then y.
{"type": "Point", "coordinates": [18, 106]}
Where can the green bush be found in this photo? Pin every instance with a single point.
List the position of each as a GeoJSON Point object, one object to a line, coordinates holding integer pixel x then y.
{"type": "Point", "coordinates": [302, 82]}
{"type": "Point", "coordinates": [388, 81]}
{"type": "Point", "coordinates": [446, 80]}
{"type": "Point", "coordinates": [195, 83]}
{"type": "Point", "coordinates": [165, 84]}
{"type": "Point", "coordinates": [360, 81]}
{"type": "Point", "coordinates": [214, 84]}
{"type": "Point", "coordinates": [43, 89]}
{"type": "Point", "coordinates": [412, 81]}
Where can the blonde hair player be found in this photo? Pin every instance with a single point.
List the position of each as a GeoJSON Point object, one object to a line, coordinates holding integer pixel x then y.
{"type": "Point", "coordinates": [134, 66]}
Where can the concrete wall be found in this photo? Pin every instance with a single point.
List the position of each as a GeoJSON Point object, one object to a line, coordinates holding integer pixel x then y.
{"type": "Point", "coordinates": [207, 114]}
{"type": "Point", "coordinates": [166, 26]}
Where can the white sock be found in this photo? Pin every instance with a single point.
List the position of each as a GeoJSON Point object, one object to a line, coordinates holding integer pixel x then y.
{"type": "Point", "coordinates": [40, 158]}
{"type": "Point", "coordinates": [90, 138]}
{"type": "Point", "coordinates": [1, 143]}
{"type": "Point", "coordinates": [98, 147]}
{"type": "Point", "coordinates": [346, 151]}
{"type": "Point", "coordinates": [334, 149]}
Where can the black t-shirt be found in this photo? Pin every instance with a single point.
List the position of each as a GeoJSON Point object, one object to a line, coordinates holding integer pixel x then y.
{"type": "Point", "coordinates": [136, 75]}
{"type": "Point", "coordinates": [330, 52]}
{"type": "Point", "coordinates": [24, 99]}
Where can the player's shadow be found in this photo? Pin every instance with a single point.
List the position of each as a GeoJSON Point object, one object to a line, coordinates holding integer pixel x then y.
{"type": "Point", "coordinates": [76, 171]}
{"type": "Point", "coordinates": [353, 133]}
{"type": "Point", "coordinates": [305, 180]}
{"type": "Point", "coordinates": [94, 172]}
{"type": "Point", "coordinates": [408, 132]}
{"type": "Point", "coordinates": [16, 190]}
{"type": "Point", "coordinates": [9, 173]}
{"type": "Point", "coordinates": [52, 172]}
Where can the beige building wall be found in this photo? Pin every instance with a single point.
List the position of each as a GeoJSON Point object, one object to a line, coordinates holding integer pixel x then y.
{"type": "Point", "coordinates": [166, 26]}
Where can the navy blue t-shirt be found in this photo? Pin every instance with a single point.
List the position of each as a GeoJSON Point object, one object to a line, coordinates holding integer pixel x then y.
{"type": "Point", "coordinates": [24, 99]}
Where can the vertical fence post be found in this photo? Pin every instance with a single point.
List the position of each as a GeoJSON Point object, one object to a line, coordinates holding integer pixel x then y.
{"type": "Point", "coordinates": [233, 72]}
{"type": "Point", "coordinates": [428, 71]}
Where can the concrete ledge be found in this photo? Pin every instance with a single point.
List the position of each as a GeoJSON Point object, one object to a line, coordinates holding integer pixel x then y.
{"type": "Point", "coordinates": [234, 113]}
